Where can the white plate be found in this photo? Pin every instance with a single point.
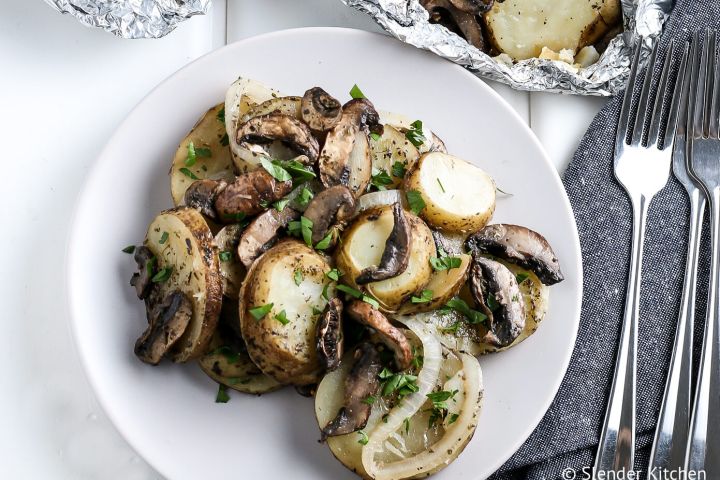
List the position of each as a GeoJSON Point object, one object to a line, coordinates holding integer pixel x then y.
{"type": "Point", "coordinates": [168, 412]}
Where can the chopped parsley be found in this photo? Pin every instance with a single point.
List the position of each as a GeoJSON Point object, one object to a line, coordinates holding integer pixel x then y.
{"type": "Point", "coordinates": [363, 438]}
{"type": "Point", "coordinates": [227, 352]}
{"type": "Point", "coordinates": [472, 316]}
{"type": "Point", "coordinates": [418, 360]}
{"type": "Point", "coordinates": [445, 263]}
{"type": "Point", "coordinates": [225, 256]}
{"type": "Point", "coordinates": [369, 400]}
{"type": "Point", "coordinates": [191, 155]}
{"type": "Point", "coordinates": [186, 171]}
{"type": "Point", "coordinates": [375, 136]}
{"type": "Point", "coordinates": [415, 133]}
{"type": "Point", "coordinates": [441, 185]}
{"type": "Point", "coordinates": [451, 328]}
{"type": "Point", "coordinates": [277, 171]}
{"type": "Point", "coordinates": [355, 92]}
{"type": "Point", "coordinates": [492, 302]}
{"type": "Point", "coordinates": [406, 423]}
{"type": "Point", "coordinates": [439, 401]}
{"type": "Point", "coordinates": [164, 237]}
{"type": "Point", "coordinates": [424, 297]}
{"type": "Point", "coordinates": [221, 115]}
{"type": "Point", "coordinates": [415, 200]}
{"type": "Point", "coordinates": [380, 179]}
{"type": "Point", "coordinates": [297, 170]}
{"type": "Point", "coordinates": [401, 383]}
{"type": "Point", "coordinates": [203, 152]}
{"type": "Point", "coordinates": [282, 317]}
{"type": "Point", "coordinates": [129, 249]}
{"type": "Point", "coordinates": [281, 204]}
{"type": "Point", "coordinates": [334, 274]}
{"type": "Point", "coordinates": [298, 276]}
{"type": "Point", "coordinates": [324, 243]}
{"type": "Point", "coordinates": [305, 196]}
{"type": "Point", "coordinates": [259, 313]}
{"type": "Point", "coordinates": [225, 140]}
{"type": "Point", "coordinates": [452, 418]}
{"type": "Point", "coordinates": [302, 228]}
{"type": "Point", "coordinates": [521, 277]}
{"type": "Point", "coordinates": [222, 395]}
{"type": "Point", "coordinates": [398, 170]}
{"type": "Point", "coordinates": [359, 295]}
{"type": "Point", "coordinates": [162, 275]}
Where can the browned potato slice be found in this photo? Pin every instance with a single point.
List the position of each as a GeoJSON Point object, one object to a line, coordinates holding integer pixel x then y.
{"type": "Point", "coordinates": [212, 155]}
{"type": "Point", "coordinates": [391, 148]}
{"type": "Point", "coordinates": [181, 241]}
{"type": "Point", "coordinates": [278, 311]}
{"type": "Point", "coordinates": [444, 285]}
{"type": "Point", "coordinates": [362, 246]}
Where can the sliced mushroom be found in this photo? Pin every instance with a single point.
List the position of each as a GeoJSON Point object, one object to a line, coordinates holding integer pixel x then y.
{"type": "Point", "coordinates": [361, 383]}
{"type": "Point", "coordinates": [141, 279]}
{"type": "Point", "coordinates": [277, 126]}
{"type": "Point", "coordinates": [201, 194]}
{"type": "Point", "coordinates": [329, 207]}
{"type": "Point", "coordinates": [168, 321]}
{"type": "Point", "coordinates": [329, 336]}
{"type": "Point", "coordinates": [460, 16]}
{"type": "Point", "coordinates": [262, 233]}
{"type": "Point", "coordinates": [391, 336]}
{"type": "Point", "coordinates": [396, 255]}
{"type": "Point", "coordinates": [320, 110]}
{"type": "Point", "coordinates": [496, 291]}
{"type": "Point", "coordinates": [334, 157]}
{"type": "Point", "coordinates": [521, 246]}
{"type": "Point", "coordinates": [249, 194]}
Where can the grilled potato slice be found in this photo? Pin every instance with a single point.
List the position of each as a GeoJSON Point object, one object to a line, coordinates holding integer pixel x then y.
{"type": "Point", "coordinates": [521, 28]}
{"type": "Point", "coordinates": [443, 285]}
{"type": "Point", "coordinates": [391, 148]}
{"type": "Point", "coordinates": [212, 155]}
{"type": "Point", "coordinates": [362, 246]}
{"type": "Point", "coordinates": [181, 240]}
{"type": "Point", "coordinates": [281, 342]}
{"type": "Point", "coordinates": [459, 197]}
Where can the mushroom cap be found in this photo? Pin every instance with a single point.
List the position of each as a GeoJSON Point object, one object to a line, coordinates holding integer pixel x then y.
{"type": "Point", "coordinates": [169, 318]}
{"type": "Point", "coordinates": [141, 279]}
{"type": "Point", "coordinates": [262, 233]}
{"type": "Point", "coordinates": [396, 256]}
{"type": "Point", "coordinates": [392, 337]}
{"type": "Point", "coordinates": [319, 110]}
{"type": "Point", "coordinates": [247, 195]}
{"type": "Point", "coordinates": [201, 194]}
{"type": "Point", "coordinates": [333, 205]}
{"type": "Point", "coordinates": [329, 336]}
{"type": "Point", "coordinates": [278, 126]}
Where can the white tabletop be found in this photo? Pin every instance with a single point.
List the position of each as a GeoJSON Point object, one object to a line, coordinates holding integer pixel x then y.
{"type": "Point", "coordinates": [63, 90]}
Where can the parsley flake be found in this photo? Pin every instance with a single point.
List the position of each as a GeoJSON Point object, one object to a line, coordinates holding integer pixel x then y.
{"type": "Point", "coordinates": [415, 133]}
{"type": "Point", "coordinates": [521, 277]}
{"type": "Point", "coordinates": [380, 179]}
{"type": "Point", "coordinates": [186, 171]}
{"type": "Point", "coordinates": [298, 276]}
{"type": "Point", "coordinates": [424, 297]}
{"type": "Point", "coordinates": [164, 238]}
{"type": "Point", "coordinates": [282, 317]}
{"type": "Point", "coordinates": [375, 136]}
{"type": "Point", "coordinates": [225, 256]}
{"type": "Point", "coordinates": [398, 170]}
{"type": "Point", "coordinates": [259, 313]}
{"type": "Point", "coordinates": [445, 263]}
{"type": "Point", "coordinates": [324, 243]}
{"type": "Point", "coordinates": [363, 438]}
{"type": "Point", "coordinates": [162, 275]}
{"type": "Point", "coordinates": [222, 395]}
{"type": "Point", "coordinates": [191, 155]}
{"type": "Point", "coordinates": [415, 201]}
{"type": "Point", "coordinates": [129, 249]}
{"type": "Point", "coordinates": [472, 316]}
{"type": "Point", "coordinates": [277, 172]}
{"type": "Point", "coordinates": [334, 274]}
{"type": "Point", "coordinates": [356, 93]}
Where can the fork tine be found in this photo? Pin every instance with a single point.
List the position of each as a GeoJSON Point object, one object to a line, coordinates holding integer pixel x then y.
{"type": "Point", "coordinates": [693, 98]}
{"type": "Point", "coordinates": [678, 106]}
{"type": "Point", "coordinates": [699, 117]}
{"type": "Point", "coordinates": [709, 55]}
{"type": "Point", "coordinates": [642, 109]}
{"type": "Point", "coordinates": [661, 96]}
{"type": "Point", "coordinates": [714, 128]}
{"type": "Point", "coordinates": [625, 111]}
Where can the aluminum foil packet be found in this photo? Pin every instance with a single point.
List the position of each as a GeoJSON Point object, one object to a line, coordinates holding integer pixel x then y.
{"type": "Point", "coordinates": [643, 20]}
{"type": "Point", "coordinates": [132, 18]}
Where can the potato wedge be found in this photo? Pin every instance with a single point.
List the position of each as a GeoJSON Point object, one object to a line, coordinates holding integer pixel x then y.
{"type": "Point", "coordinates": [521, 28]}
{"type": "Point", "coordinates": [391, 148]}
{"type": "Point", "coordinates": [232, 270]}
{"type": "Point", "coordinates": [444, 285]}
{"type": "Point", "coordinates": [403, 123]}
{"type": "Point", "coordinates": [181, 240]}
{"type": "Point", "coordinates": [417, 448]}
{"type": "Point", "coordinates": [459, 196]}
{"type": "Point", "coordinates": [227, 361]}
{"type": "Point", "coordinates": [281, 344]}
{"type": "Point", "coordinates": [212, 155]}
{"type": "Point", "coordinates": [359, 165]}
{"type": "Point", "coordinates": [362, 246]}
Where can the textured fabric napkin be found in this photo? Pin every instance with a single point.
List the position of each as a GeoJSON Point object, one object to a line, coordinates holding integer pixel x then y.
{"type": "Point", "coordinates": [567, 436]}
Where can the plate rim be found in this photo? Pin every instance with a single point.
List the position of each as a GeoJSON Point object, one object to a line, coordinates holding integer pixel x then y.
{"type": "Point", "coordinates": [73, 298]}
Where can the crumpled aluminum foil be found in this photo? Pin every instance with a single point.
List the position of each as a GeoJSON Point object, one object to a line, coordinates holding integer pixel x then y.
{"type": "Point", "coordinates": [408, 21]}
{"type": "Point", "coordinates": [132, 18]}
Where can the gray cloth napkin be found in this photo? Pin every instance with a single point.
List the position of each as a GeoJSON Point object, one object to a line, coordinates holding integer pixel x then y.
{"type": "Point", "coordinates": [567, 436]}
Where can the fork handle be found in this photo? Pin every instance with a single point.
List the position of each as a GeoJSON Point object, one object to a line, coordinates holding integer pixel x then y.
{"type": "Point", "coordinates": [671, 435]}
{"type": "Point", "coordinates": [616, 451]}
{"type": "Point", "coordinates": [703, 451]}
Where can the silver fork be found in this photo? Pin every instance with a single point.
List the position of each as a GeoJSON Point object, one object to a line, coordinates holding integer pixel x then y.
{"type": "Point", "coordinates": [671, 435]}
{"type": "Point", "coordinates": [703, 451]}
{"type": "Point", "coordinates": [642, 166]}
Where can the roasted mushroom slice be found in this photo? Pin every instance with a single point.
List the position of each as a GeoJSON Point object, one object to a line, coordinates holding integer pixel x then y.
{"type": "Point", "coordinates": [391, 336]}
{"type": "Point", "coordinates": [496, 291]}
{"type": "Point", "coordinates": [168, 321]}
{"type": "Point", "coordinates": [201, 194]}
{"type": "Point", "coordinates": [277, 126]}
{"type": "Point", "coordinates": [460, 16]}
{"type": "Point", "coordinates": [396, 255]}
{"type": "Point", "coordinates": [249, 194]}
{"type": "Point", "coordinates": [320, 110]}
{"type": "Point", "coordinates": [329, 336]}
{"type": "Point", "coordinates": [521, 246]}
{"type": "Point", "coordinates": [262, 233]}
{"type": "Point", "coordinates": [361, 383]}
{"type": "Point", "coordinates": [141, 279]}
{"type": "Point", "coordinates": [329, 207]}
{"type": "Point", "coordinates": [335, 163]}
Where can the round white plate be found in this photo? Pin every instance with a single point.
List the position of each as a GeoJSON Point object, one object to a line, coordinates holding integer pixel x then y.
{"type": "Point", "coordinates": [168, 413]}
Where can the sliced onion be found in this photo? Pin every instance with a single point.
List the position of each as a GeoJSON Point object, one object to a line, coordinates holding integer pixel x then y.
{"type": "Point", "coordinates": [426, 381]}
{"type": "Point", "coordinates": [381, 198]}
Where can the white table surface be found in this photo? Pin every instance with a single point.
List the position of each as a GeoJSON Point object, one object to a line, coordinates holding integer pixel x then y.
{"type": "Point", "coordinates": [63, 90]}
